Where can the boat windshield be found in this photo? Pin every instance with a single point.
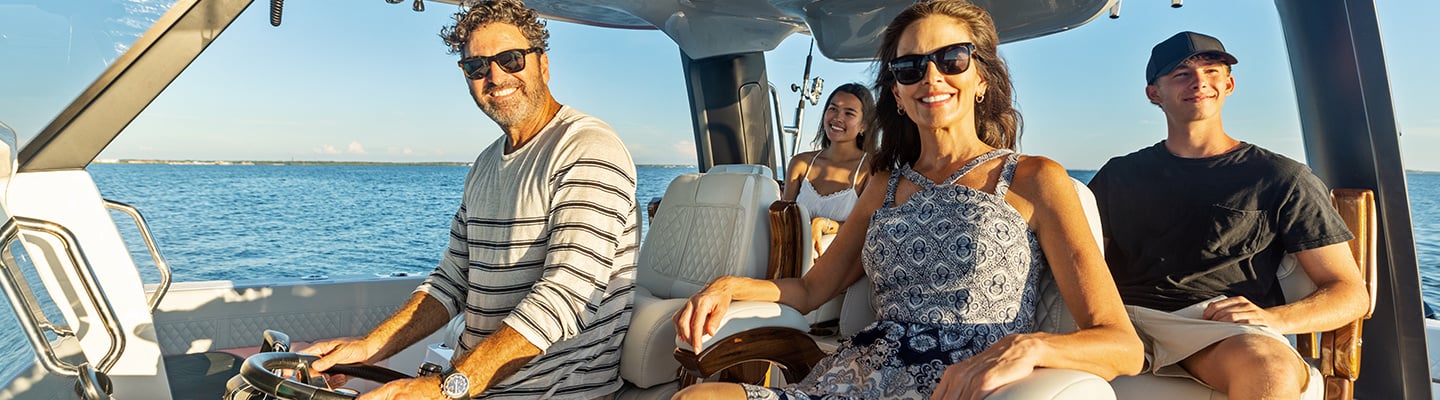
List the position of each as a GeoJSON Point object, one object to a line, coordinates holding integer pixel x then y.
{"type": "Point", "coordinates": [53, 50]}
{"type": "Point", "coordinates": [50, 52]}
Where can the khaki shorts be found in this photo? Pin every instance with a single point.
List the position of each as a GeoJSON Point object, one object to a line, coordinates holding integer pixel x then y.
{"type": "Point", "coordinates": [1171, 337]}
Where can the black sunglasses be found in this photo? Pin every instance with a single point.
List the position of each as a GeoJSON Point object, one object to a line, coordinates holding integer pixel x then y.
{"type": "Point", "coordinates": [950, 60]}
{"type": "Point", "coordinates": [511, 61]}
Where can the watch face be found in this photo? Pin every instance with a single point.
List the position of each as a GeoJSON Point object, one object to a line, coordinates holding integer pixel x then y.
{"type": "Point", "coordinates": [455, 386]}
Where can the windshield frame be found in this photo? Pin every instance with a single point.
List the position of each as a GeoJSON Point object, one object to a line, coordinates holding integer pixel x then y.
{"type": "Point", "coordinates": [84, 128]}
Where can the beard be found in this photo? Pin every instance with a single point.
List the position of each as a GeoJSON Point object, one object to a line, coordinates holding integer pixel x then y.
{"type": "Point", "coordinates": [513, 109]}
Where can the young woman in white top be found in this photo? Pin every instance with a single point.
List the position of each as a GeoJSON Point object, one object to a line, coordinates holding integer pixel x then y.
{"type": "Point", "coordinates": [828, 181]}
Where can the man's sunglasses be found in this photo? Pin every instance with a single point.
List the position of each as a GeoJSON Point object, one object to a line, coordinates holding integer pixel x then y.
{"type": "Point", "coordinates": [950, 60]}
{"type": "Point", "coordinates": [511, 61]}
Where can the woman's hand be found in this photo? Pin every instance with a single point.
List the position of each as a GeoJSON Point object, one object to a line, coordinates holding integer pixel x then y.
{"type": "Point", "coordinates": [701, 315]}
{"type": "Point", "coordinates": [1006, 361]}
{"type": "Point", "coordinates": [821, 226]}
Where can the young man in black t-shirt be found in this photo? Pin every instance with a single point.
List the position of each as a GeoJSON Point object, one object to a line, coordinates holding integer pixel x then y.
{"type": "Point", "coordinates": [1196, 227]}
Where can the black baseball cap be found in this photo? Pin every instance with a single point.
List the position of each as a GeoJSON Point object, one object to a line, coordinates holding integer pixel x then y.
{"type": "Point", "coordinates": [1167, 55]}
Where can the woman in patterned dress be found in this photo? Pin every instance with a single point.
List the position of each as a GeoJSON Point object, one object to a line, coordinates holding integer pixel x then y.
{"type": "Point", "coordinates": [954, 229]}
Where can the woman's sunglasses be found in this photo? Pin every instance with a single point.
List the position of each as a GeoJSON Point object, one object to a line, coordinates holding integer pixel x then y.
{"type": "Point", "coordinates": [511, 61]}
{"type": "Point", "coordinates": [950, 60]}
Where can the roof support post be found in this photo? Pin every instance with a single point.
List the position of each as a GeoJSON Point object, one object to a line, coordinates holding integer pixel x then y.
{"type": "Point", "coordinates": [1351, 140]}
{"type": "Point", "coordinates": [730, 107]}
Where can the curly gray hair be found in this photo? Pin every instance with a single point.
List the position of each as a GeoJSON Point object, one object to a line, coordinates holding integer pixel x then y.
{"type": "Point", "coordinates": [511, 12]}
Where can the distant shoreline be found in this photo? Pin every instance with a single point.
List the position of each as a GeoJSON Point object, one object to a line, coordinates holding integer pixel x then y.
{"type": "Point", "coordinates": [335, 163]}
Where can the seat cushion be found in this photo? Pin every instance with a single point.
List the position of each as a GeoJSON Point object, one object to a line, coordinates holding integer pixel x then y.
{"type": "Point", "coordinates": [647, 355]}
{"type": "Point", "coordinates": [752, 169]}
{"type": "Point", "coordinates": [1055, 384]}
{"type": "Point", "coordinates": [1146, 386]}
{"type": "Point", "coordinates": [658, 392]}
{"type": "Point", "coordinates": [1051, 313]}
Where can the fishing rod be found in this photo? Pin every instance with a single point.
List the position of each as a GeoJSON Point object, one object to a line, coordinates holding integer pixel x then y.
{"type": "Point", "coordinates": [809, 90]}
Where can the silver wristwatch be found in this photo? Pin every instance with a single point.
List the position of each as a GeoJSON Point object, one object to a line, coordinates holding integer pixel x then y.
{"type": "Point", "coordinates": [455, 385]}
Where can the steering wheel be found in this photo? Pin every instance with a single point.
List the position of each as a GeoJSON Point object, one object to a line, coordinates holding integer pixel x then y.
{"type": "Point", "coordinates": [257, 373]}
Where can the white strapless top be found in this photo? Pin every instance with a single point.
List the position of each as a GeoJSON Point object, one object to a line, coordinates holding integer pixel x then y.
{"type": "Point", "coordinates": [834, 206]}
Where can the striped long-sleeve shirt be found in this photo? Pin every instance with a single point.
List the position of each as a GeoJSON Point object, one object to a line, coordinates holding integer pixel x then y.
{"type": "Point", "coordinates": [545, 242]}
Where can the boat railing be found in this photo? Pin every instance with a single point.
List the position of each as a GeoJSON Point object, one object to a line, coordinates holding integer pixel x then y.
{"type": "Point", "coordinates": [27, 306]}
{"type": "Point", "coordinates": [780, 131]}
{"type": "Point", "coordinates": [33, 321]}
{"type": "Point", "coordinates": [84, 275]}
{"type": "Point", "coordinates": [160, 264]}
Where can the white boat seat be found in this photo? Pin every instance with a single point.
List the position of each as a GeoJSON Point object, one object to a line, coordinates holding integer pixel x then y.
{"type": "Point", "coordinates": [752, 169]}
{"type": "Point", "coordinates": [709, 225]}
{"type": "Point", "coordinates": [792, 254]}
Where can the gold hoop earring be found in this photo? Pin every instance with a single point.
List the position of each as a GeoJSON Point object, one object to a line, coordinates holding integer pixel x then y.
{"type": "Point", "coordinates": [980, 98]}
{"type": "Point", "coordinates": [899, 109]}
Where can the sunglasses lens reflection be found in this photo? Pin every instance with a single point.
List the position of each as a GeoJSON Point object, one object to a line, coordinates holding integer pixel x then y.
{"type": "Point", "coordinates": [474, 68]}
{"type": "Point", "coordinates": [510, 61]}
{"type": "Point", "coordinates": [954, 61]}
{"type": "Point", "coordinates": [908, 69]}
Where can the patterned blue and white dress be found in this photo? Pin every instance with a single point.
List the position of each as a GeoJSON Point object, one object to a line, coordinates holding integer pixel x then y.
{"type": "Point", "coordinates": [955, 269]}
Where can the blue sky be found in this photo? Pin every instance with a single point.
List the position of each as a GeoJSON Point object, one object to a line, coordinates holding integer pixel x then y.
{"type": "Point", "coordinates": [370, 81]}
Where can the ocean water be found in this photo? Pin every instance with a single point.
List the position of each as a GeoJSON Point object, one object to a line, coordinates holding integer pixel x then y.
{"type": "Point", "coordinates": [267, 221]}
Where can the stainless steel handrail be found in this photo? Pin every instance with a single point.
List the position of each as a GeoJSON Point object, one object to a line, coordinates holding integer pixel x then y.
{"type": "Point", "coordinates": [780, 131]}
{"type": "Point", "coordinates": [160, 263]}
{"type": "Point", "coordinates": [32, 321]}
{"type": "Point", "coordinates": [81, 264]}
{"type": "Point", "coordinates": [93, 384]}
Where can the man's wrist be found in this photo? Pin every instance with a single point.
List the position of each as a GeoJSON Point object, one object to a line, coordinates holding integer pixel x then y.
{"type": "Point", "coordinates": [454, 385]}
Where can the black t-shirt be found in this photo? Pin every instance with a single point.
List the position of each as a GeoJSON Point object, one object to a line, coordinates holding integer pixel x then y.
{"type": "Point", "coordinates": [1182, 230]}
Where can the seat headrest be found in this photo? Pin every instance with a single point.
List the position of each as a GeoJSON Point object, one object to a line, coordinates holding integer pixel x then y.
{"type": "Point", "coordinates": [753, 169]}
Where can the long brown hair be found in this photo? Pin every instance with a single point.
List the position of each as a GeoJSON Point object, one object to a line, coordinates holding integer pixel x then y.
{"type": "Point", "coordinates": [997, 122]}
{"type": "Point", "coordinates": [868, 132]}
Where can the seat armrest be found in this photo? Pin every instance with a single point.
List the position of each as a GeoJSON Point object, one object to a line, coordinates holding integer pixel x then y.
{"type": "Point", "coordinates": [749, 315]}
{"type": "Point", "coordinates": [1055, 383]}
{"type": "Point", "coordinates": [790, 247]}
{"type": "Point", "coordinates": [752, 331]}
{"type": "Point", "coordinates": [1357, 208]}
{"type": "Point", "coordinates": [1340, 348]}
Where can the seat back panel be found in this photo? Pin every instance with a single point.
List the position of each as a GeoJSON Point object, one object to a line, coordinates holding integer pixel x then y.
{"type": "Point", "coordinates": [709, 225]}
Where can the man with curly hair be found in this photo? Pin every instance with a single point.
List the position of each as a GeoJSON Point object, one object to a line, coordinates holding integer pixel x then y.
{"type": "Point", "coordinates": [541, 260]}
